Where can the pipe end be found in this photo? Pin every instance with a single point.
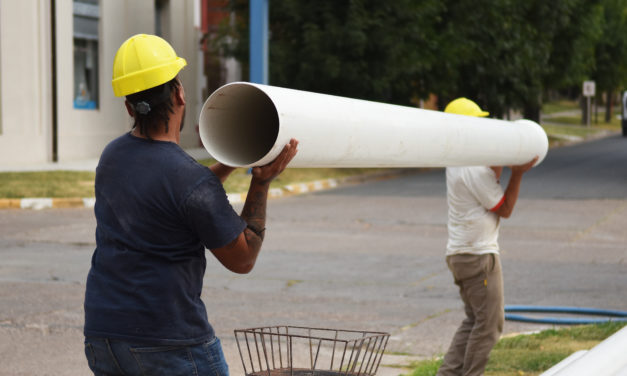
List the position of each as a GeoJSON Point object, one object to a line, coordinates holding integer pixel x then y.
{"type": "Point", "coordinates": [238, 124]}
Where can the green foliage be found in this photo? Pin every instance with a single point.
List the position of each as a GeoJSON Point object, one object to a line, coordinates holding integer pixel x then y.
{"type": "Point", "coordinates": [504, 54]}
{"type": "Point", "coordinates": [573, 43]}
{"type": "Point", "coordinates": [509, 52]}
{"type": "Point", "coordinates": [426, 367]}
{"type": "Point", "coordinates": [610, 71]}
{"type": "Point", "coordinates": [382, 51]}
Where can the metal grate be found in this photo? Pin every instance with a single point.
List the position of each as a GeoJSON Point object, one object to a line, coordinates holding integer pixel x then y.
{"type": "Point", "coordinates": [302, 351]}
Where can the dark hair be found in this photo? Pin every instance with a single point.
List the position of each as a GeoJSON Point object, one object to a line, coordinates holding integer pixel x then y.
{"type": "Point", "coordinates": [153, 107]}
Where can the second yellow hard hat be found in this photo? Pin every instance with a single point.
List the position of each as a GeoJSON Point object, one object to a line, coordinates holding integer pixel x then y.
{"type": "Point", "coordinates": [464, 106]}
{"type": "Point", "coordinates": [143, 62]}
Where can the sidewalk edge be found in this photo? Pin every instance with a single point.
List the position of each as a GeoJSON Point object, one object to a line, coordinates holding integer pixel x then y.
{"type": "Point", "coordinates": [234, 198]}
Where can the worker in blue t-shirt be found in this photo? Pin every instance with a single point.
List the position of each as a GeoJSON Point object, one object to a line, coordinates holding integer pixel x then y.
{"type": "Point", "coordinates": [157, 210]}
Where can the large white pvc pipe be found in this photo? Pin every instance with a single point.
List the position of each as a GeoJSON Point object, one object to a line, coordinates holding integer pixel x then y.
{"type": "Point", "coordinates": [244, 124]}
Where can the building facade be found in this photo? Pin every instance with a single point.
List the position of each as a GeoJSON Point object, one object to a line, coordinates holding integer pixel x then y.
{"type": "Point", "coordinates": [56, 57]}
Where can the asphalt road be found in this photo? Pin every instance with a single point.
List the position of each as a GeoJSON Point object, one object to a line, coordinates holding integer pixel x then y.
{"type": "Point", "coordinates": [366, 257]}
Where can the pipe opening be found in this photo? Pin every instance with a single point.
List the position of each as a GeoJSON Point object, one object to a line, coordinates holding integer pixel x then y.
{"type": "Point", "coordinates": [239, 124]}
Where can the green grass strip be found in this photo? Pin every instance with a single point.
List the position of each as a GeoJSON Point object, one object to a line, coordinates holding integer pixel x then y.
{"type": "Point", "coordinates": [54, 184]}
{"type": "Point", "coordinates": [64, 184]}
{"type": "Point", "coordinates": [559, 106]}
{"type": "Point", "coordinates": [530, 355]}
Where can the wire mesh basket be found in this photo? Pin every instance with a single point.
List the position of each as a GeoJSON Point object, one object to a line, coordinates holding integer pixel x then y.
{"type": "Point", "coordinates": [302, 351]}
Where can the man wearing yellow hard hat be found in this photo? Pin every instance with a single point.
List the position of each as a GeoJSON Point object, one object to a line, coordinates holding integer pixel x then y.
{"type": "Point", "coordinates": [476, 202]}
{"type": "Point", "coordinates": [157, 210]}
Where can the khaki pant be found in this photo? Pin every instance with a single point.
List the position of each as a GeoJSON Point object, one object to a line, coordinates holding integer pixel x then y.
{"type": "Point", "coordinates": [480, 284]}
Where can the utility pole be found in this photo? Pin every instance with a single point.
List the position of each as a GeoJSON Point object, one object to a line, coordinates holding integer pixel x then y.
{"type": "Point", "coordinates": [259, 41]}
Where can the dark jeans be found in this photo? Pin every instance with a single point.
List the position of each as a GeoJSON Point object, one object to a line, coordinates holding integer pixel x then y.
{"type": "Point", "coordinates": [110, 357]}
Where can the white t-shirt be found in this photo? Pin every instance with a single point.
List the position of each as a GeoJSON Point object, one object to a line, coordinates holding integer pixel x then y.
{"type": "Point", "coordinates": [471, 193]}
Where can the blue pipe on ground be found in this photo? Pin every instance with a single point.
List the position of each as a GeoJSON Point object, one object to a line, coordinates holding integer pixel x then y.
{"type": "Point", "coordinates": [611, 315]}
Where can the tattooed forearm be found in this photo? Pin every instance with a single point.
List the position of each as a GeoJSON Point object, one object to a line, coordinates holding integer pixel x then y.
{"type": "Point", "coordinates": [255, 206]}
{"type": "Point", "coordinates": [254, 213]}
{"type": "Point", "coordinates": [253, 240]}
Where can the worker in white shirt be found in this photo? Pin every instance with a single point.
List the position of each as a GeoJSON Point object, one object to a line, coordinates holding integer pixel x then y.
{"type": "Point", "coordinates": [476, 203]}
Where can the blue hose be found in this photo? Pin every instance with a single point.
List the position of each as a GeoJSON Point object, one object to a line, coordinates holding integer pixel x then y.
{"type": "Point", "coordinates": [611, 315]}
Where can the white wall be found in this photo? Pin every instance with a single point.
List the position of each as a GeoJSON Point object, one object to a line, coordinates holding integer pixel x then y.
{"type": "Point", "coordinates": [84, 133]}
{"type": "Point", "coordinates": [25, 77]}
{"type": "Point", "coordinates": [185, 39]}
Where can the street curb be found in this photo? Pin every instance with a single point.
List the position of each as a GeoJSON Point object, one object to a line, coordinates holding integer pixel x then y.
{"type": "Point", "coordinates": [237, 198]}
{"type": "Point", "coordinates": [234, 198]}
{"type": "Point", "coordinates": [325, 184]}
{"type": "Point", "coordinates": [46, 203]}
{"type": "Point", "coordinates": [288, 190]}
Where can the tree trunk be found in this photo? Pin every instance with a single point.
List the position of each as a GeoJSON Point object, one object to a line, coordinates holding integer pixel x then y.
{"type": "Point", "coordinates": [584, 110]}
{"type": "Point", "coordinates": [531, 111]}
{"type": "Point", "coordinates": [609, 105]}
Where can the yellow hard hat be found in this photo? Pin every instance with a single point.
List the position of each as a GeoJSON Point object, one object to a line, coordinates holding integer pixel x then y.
{"type": "Point", "coordinates": [464, 106]}
{"type": "Point", "coordinates": [143, 62]}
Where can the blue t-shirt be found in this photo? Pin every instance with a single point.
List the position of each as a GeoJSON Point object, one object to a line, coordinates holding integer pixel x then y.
{"type": "Point", "coordinates": [157, 210]}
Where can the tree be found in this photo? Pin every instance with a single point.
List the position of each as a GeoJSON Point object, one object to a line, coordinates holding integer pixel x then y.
{"type": "Point", "coordinates": [489, 40]}
{"type": "Point", "coordinates": [610, 71]}
{"type": "Point", "coordinates": [511, 52]}
{"type": "Point", "coordinates": [366, 49]}
{"type": "Point", "coordinates": [504, 54]}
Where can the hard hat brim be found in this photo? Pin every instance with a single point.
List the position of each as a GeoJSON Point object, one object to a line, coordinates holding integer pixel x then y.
{"type": "Point", "coordinates": [147, 78]}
